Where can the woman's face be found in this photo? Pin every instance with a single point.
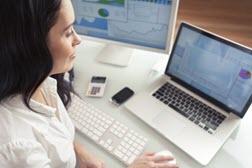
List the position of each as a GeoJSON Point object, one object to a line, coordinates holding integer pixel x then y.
{"type": "Point", "coordinates": [62, 40]}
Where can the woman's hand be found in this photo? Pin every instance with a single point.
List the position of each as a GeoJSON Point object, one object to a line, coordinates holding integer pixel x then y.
{"type": "Point", "coordinates": [86, 159]}
{"type": "Point", "coordinates": [148, 160]}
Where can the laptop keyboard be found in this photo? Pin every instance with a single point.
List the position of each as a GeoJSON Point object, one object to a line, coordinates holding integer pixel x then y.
{"type": "Point", "coordinates": [197, 112]}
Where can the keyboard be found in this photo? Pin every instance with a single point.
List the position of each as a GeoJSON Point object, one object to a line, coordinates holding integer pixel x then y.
{"type": "Point", "coordinates": [197, 112]}
{"type": "Point", "coordinates": [111, 135]}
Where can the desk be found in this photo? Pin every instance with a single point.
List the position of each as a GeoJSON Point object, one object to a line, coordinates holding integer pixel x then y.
{"type": "Point", "coordinates": [236, 153]}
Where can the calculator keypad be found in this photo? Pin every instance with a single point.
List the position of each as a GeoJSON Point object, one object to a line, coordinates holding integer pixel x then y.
{"type": "Point", "coordinates": [95, 90]}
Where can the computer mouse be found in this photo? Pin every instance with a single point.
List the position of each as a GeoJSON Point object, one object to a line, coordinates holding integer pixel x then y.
{"type": "Point", "coordinates": [167, 153]}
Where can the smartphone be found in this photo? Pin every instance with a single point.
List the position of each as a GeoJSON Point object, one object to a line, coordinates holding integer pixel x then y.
{"type": "Point", "coordinates": [96, 86]}
{"type": "Point", "coordinates": [121, 96]}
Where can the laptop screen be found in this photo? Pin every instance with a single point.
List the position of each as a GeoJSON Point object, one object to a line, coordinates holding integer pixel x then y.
{"type": "Point", "coordinates": [218, 68]}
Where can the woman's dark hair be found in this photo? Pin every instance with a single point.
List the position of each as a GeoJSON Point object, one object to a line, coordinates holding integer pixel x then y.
{"type": "Point", "coordinates": [25, 60]}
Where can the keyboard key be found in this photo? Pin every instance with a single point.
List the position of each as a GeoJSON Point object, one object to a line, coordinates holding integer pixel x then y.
{"type": "Point", "coordinates": [192, 119]}
{"type": "Point", "coordinates": [125, 158]}
{"type": "Point", "coordinates": [132, 158]}
{"type": "Point", "coordinates": [206, 128]}
{"type": "Point", "coordinates": [178, 110]}
{"type": "Point", "coordinates": [110, 148]}
{"type": "Point", "coordinates": [118, 153]}
{"type": "Point", "coordinates": [211, 125]}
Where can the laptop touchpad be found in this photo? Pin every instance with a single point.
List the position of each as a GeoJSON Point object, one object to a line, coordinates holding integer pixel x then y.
{"type": "Point", "coordinates": [168, 124]}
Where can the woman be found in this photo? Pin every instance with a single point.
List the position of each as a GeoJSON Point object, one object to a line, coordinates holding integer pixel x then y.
{"type": "Point", "coordinates": [38, 41]}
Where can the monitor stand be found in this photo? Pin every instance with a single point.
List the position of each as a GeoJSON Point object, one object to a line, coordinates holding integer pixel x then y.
{"type": "Point", "coordinates": [115, 55]}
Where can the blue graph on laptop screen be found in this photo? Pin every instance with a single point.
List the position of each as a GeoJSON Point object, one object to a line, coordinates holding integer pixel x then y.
{"type": "Point", "coordinates": [137, 22]}
{"type": "Point", "coordinates": [217, 69]}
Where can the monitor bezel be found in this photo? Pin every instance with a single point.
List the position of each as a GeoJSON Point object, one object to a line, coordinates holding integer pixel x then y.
{"type": "Point", "coordinates": [195, 90]}
{"type": "Point", "coordinates": [170, 35]}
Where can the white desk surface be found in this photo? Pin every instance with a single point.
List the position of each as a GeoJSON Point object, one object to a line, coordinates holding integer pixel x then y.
{"type": "Point", "coordinates": [236, 152]}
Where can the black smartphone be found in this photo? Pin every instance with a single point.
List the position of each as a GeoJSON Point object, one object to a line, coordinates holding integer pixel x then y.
{"type": "Point", "coordinates": [122, 96]}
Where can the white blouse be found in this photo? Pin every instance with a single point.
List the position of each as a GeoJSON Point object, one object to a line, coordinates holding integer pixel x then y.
{"type": "Point", "coordinates": [36, 139]}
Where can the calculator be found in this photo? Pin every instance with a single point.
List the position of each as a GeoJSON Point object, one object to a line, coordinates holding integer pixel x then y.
{"type": "Point", "coordinates": [96, 86]}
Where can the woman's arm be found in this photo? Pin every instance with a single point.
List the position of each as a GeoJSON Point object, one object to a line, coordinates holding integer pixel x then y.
{"type": "Point", "coordinates": [85, 158]}
{"type": "Point", "coordinates": [24, 153]}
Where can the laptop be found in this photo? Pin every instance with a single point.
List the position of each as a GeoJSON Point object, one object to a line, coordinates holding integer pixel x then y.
{"type": "Point", "coordinates": [203, 94]}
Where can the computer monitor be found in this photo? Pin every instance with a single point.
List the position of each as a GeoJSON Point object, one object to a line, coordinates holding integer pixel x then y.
{"type": "Point", "coordinates": [126, 24]}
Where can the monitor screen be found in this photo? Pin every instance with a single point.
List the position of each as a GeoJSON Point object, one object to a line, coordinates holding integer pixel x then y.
{"type": "Point", "coordinates": [139, 23]}
{"type": "Point", "coordinates": [217, 67]}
